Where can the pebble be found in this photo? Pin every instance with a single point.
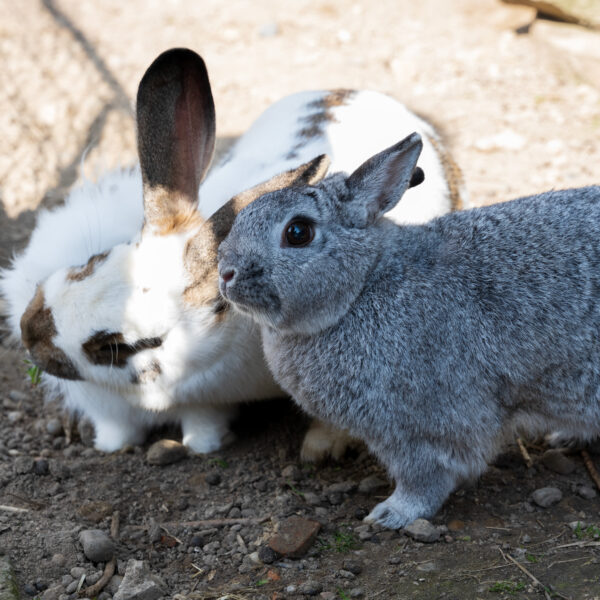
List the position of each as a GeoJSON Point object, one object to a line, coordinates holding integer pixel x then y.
{"type": "Point", "coordinates": [573, 525]}
{"type": "Point", "coordinates": [364, 532]}
{"type": "Point", "coordinates": [14, 416]}
{"type": "Point", "coordinates": [23, 465]}
{"type": "Point", "coordinates": [310, 588]}
{"type": "Point", "coordinates": [291, 472]}
{"type": "Point", "coordinates": [547, 496]}
{"type": "Point", "coordinates": [371, 484]}
{"type": "Point", "coordinates": [295, 536]}
{"type": "Point", "coordinates": [556, 461]}
{"type": "Point", "coordinates": [586, 492]}
{"type": "Point", "coordinates": [213, 478]}
{"type": "Point", "coordinates": [354, 566]}
{"type": "Point", "coordinates": [267, 555]}
{"type": "Point", "coordinates": [357, 593]}
{"type": "Point", "coordinates": [328, 596]}
{"type": "Point", "coordinates": [139, 583]}
{"type": "Point", "coordinates": [422, 530]}
{"type": "Point", "coordinates": [341, 487]}
{"type": "Point", "coordinates": [41, 466]}
{"type": "Point", "coordinates": [97, 546]}
{"type": "Point", "coordinates": [54, 427]}
{"type": "Point", "coordinates": [312, 499]}
{"type": "Point", "coordinates": [165, 452]}
{"type": "Point", "coordinates": [18, 396]}
{"type": "Point", "coordinates": [346, 574]}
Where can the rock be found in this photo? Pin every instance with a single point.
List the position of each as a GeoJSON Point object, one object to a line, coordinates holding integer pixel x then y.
{"type": "Point", "coordinates": [268, 30]}
{"type": "Point", "coordinates": [345, 574]}
{"type": "Point", "coordinates": [581, 12]}
{"type": "Point", "coordinates": [312, 499]}
{"type": "Point", "coordinates": [14, 416]}
{"type": "Point", "coordinates": [165, 452]}
{"type": "Point", "coordinates": [291, 472]}
{"type": "Point", "coordinates": [213, 478]}
{"type": "Point", "coordinates": [505, 140]}
{"type": "Point", "coordinates": [341, 487]}
{"type": "Point", "coordinates": [354, 566]}
{"type": "Point", "coordinates": [371, 484]}
{"type": "Point", "coordinates": [23, 465]}
{"type": "Point", "coordinates": [547, 496]}
{"type": "Point", "coordinates": [365, 532]}
{"type": "Point", "coordinates": [54, 427]}
{"type": "Point", "coordinates": [335, 498]}
{"type": "Point", "coordinates": [18, 396]}
{"type": "Point", "coordinates": [267, 555]}
{"type": "Point", "coordinates": [53, 593]}
{"type": "Point", "coordinates": [422, 530]}
{"type": "Point", "coordinates": [556, 461]}
{"type": "Point", "coordinates": [8, 583]}
{"type": "Point", "coordinates": [77, 572]}
{"type": "Point", "coordinates": [139, 584]}
{"type": "Point", "coordinates": [310, 588]}
{"type": "Point", "coordinates": [357, 593]}
{"type": "Point", "coordinates": [114, 584]}
{"type": "Point", "coordinates": [586, 492]}
{"type": "Point", "coordinates": [41, 466]}
{"type": "Point", "coordinates": [96, 510]}
{"type": "Point", "coordinates": [294, 537]}
{"type": "Point", "coordinates": [328, 596]}
{"type": "Point", "coordinates": [97, 546]}
{"type": "Point", "coordinates": [456, 525]}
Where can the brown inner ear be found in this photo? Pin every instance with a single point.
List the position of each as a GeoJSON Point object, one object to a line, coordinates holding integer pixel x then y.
{"type": "Point", "coordinates": [200, 254]}
{"type": "Point", "coordinates": [176, 137]}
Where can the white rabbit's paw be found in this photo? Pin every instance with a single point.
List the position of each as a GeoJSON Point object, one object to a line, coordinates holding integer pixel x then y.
{"type": "Point", "coordinates": [323, 441]}
{"type": "Point", "coordinates": [112, 436]}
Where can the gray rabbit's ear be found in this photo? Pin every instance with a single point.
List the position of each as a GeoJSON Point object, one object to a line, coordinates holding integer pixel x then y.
{"type": "Point", "coordinates": [176, 136]}
{"type": "Point", "coordinates": [379, 183]}
{"type": "Point", "coordinates": [309, 173]}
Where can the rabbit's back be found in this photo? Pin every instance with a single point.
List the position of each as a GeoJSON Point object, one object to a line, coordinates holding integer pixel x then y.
{"type": "Point", "coordinates": [477, 322]}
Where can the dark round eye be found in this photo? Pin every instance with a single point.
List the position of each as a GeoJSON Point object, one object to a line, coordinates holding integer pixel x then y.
{"type": "Point", "coordinates": [298, 233]}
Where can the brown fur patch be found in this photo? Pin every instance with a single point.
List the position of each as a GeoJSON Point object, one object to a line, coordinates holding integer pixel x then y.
{"type": "Point", "coordinates": [313, 124]}
{"type": "Point", "coordinates": [37, 330]}
{"type": "Point", "coordinates": [452, 173]}
{"type": "Point", "coordinates": [147, 375]}
{"type": "Point", "coordinates": [109, 348]}
{"type": "Point", "coordinates": [81, 273]}
{"type": "Point", "coordinates": [166, 214]}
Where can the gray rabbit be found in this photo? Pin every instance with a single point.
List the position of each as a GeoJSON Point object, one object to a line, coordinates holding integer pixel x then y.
{"type": "Point", "coordinates": [434, 342]}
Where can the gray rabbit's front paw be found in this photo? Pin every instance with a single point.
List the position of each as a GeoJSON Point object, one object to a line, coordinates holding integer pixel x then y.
{"type": "Point", "coordinates": [397, 511]}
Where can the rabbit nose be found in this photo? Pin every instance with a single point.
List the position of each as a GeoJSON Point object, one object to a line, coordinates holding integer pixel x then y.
{"type": "Point", "coordinates": [227, 275]}
{"type": "Point", "coordinates": [37, 332]}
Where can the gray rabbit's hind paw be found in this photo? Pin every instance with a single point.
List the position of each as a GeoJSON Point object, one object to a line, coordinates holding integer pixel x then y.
{"type": "Point", "coordinates": [323, 441]}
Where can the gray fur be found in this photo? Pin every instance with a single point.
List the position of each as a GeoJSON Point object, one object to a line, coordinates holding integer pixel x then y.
{"type": "Point", "coordinates": [432, 343]}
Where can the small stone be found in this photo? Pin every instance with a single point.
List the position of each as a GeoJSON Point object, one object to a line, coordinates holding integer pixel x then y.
{"type": "Point", "coordinates": [354, 566]}
{"type": "Point", "coordinates": [97, 546]}
{"type": "Point", "coordinates": [54, 427]}
{"type": "Point", "coordinates": [295, 536]}
{"type": "Point", "coordinates": [77, 572]}
{"type": "Point", "coordinates": [291, 472]}
{"type": "Point", "coordinates": [526, 538]}
{"type": "Point", "coordinates": [371, 484]}
{"type": "Point", "coordinates": [58, 559]}
{"type": "Point", "coordinates": [139, 584]}
{"type": "Point", "coordinates": [586, 492]}
{"type": "Point", "coordinates": [197, 541]}
{"type": "Point", "coordinates": [267, 555]}
{"type": "Point", "coordinates": [422, 530]}
{"type": "Point", "coordinates": [96, 510]}
{"type": "Point", "coordinates": [328, 596]}
{"type": "Point", "coordinates": [427, 567]}
{"type": "Point", "coordinates": [312, 499]}
{"type": "Point", "coordinates": [114, 584]}
{"type": "Point", "coordinates": [342, 487]}
{"type": "Point", "coordinates": [335, 498]}
{"type": "Point", "coordinates": [290, 589]}
{"type": "Point", "coordinates": [310, 588]}
{"type": "Point", "coordinates": [268, 30]}
{"type": "Point", "coordinates": [14, 416]}
{"type": "Point", "coordinates": [394, 560]}
{"type": "Point", "coordinates": [357, 593]}
{"type": "Point", "coordinates": [23, 465]}
{"type": "Point", "coordinates": [556, 461]}
{"type": "Point", "coordinates": [456, 525]}
{"type": "Point", "coordinates": [72, 587]}
{"type": "Point", "coordinates": [41, 466]}
{"type": "Point", "coordinates": [547, 496]}
{"type": "Point", "coordinates": [364, 532]}
{"type": "Point", "coordinates": [30, 589]}
{"type": "Point", "coordinates": [213, 478]}
{"type": "Point", "coordinates": [346, 574]}
{"type": "Point", "coordinates": [18, 396]}
{"type": "Point", "coordinates": [577, 525]}
{"type": "Point", "coordinates": [53, 593]}
{"type": "Point", "coordinates": [165, 452]}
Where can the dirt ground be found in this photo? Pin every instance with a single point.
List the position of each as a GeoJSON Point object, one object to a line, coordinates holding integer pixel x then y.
{"type": "Point", "coordinates": [519, 101]}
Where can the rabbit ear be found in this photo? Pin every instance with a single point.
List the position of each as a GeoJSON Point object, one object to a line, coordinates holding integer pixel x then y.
{"type": "Point", "coordinates": [379, 183]}
{"type": "Point", "coordinates": [176, 135]}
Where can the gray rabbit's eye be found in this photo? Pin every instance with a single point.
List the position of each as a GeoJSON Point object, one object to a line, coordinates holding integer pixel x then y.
{"type": "Point", "coordinates": [298, 233]}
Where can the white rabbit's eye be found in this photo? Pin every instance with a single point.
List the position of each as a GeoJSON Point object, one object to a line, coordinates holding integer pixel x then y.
{"type": "Point", "coordinates": [298, 233]}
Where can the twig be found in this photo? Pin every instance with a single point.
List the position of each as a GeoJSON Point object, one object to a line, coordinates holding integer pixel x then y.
{"type": "Point", "coordinates": [526, 456]}
{"type": "Point", "coordinates": [15, 509]}
{"type": "Point", "coordinates": [109, 569]}
{"type": "Point", "coordinates": [587, 461]}
{"type": "Point", "coordinates": [578, 545]}
{"type": "Point", "coordinates": [533, 578]}
{"type": "Point", "coordinates": [35, 504]}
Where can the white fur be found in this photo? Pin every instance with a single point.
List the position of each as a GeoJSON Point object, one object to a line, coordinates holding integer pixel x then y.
{"type": "Point", "coordinates": [206, 363]}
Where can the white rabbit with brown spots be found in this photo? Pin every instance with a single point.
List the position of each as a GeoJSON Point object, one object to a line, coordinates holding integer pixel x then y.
{"type": "Point", "coordinates": [116, 295]}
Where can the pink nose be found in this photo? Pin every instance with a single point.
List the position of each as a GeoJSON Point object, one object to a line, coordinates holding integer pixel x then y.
{"type": "Point", "coordinates": [228, 275]}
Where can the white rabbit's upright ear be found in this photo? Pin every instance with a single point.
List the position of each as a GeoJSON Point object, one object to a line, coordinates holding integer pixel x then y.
{"type": "Point", "coordinates": [176, 137]}
{"type": "Point", "coordinates": [379, 183]}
